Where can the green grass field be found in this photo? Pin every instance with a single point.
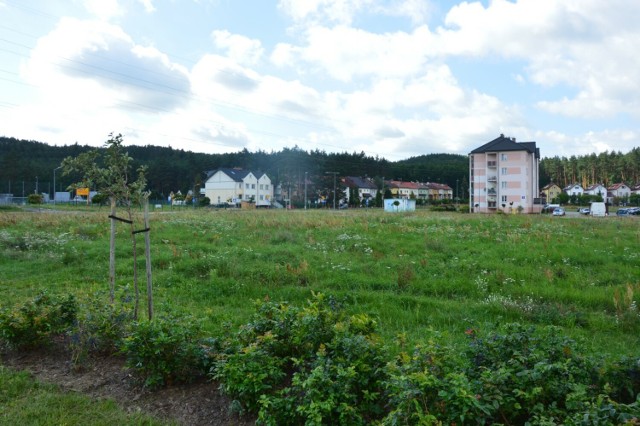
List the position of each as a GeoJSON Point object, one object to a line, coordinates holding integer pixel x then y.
{"type": "Point", "coordinates": [417, 274]}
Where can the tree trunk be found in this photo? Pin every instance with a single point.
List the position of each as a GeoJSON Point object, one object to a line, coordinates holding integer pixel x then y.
{"type": "Point", "coordinates": [112, 252]}
{"type": "Point", "coordinates": [147, 253]}
{"type": "Point", "coordinates": [135, 265]}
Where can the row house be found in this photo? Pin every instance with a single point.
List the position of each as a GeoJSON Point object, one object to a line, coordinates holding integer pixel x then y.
{"type": "Point", "coordinates": [233, 186]}
{"type": "Point", "coordinates": [504, 173]}
{"type": "Point", "coordinates": [420, 191]}
{"type": "Point", "coordinates": [439, 191]}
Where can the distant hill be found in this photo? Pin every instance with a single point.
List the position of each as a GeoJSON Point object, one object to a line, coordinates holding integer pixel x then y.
{"type": "Point", "coordinates": [25, 164]}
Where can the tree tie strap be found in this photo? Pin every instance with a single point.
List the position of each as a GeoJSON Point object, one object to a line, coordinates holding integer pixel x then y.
{"type": "Point", "coordinates": [120, 219]}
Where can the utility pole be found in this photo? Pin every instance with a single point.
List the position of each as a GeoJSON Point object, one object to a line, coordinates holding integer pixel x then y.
{"type": "Point", "coordinates": [305, 190]}
{"type": "Point", "coordinates": [54, 184]}
{"type": "Point", "coordinates": [457, 195]}
{"type": "Point", "coordinates": [334, 187]}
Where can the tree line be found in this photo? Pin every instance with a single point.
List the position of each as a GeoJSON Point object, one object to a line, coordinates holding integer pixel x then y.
{"type": "Point", "coordinates": [27, 166]}
{"type": "Point", "coordinates": [607, 168]}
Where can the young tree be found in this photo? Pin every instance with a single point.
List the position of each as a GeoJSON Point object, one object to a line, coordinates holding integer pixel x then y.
{"type": "Point", "coordinates": [109, 171]}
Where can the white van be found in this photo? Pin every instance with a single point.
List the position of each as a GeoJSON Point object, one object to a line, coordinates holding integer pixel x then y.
{"type": "Point", "coordinates": [598, 209]}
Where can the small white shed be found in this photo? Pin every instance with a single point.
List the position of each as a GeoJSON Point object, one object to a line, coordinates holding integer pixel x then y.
{"type": "Point", "coordinates": [399, 205]}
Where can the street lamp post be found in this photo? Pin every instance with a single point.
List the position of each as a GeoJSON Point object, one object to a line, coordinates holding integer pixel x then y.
{"type": "Point", "coordinates": [54, 184]}
{"type": "Point", "coordinates": [457, 194]}
{"type": "Point", "coordinates": [305, 190]}
{"type": "Point", "coordinates": [334, 187]}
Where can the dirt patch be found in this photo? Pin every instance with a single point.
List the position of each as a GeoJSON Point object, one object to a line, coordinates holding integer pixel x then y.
{"type": "Point", "coordinates": [106, 378]}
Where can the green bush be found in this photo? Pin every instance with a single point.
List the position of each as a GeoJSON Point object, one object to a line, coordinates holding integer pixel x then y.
{"type": "Point", "coordinates": [165, 351]}
{"type": "Point", "coordinates": [100, 327]}
{"type": "Point", "coordinates": [314, 365]}
{"type": "Point", "coordinates": [204, 202]}
{"type": "Point", "coordinates": [35, 199]}
{"type": "Point", "coordinates": [429, 386]}
{"type": "Point", "coordinates": [100, 199]}
{"type": "Point", "coordinates": [517, 375]}
{"type": "Point", "coordinates": [35, 322]}
{"type": "Point", "coordinates": [524, 372]}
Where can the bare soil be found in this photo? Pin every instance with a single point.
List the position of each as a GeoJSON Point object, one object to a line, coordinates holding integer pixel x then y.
{"type": "Point", "coordinates": [107, 378]}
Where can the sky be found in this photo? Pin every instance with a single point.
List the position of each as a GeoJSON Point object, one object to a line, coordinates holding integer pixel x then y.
{"type": "Point", "coordinates": [390, 78]}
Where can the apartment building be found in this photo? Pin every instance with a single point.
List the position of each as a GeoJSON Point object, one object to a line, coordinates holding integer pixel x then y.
{"type": "Point", "coordinates": [503, 176]}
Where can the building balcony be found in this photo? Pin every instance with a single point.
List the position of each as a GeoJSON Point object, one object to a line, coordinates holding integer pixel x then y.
{"type": "Point", "coordinates": [492, 164]}
{"type": "Point", "coordinates": [492, 179]}
{"type": "Point", "coordinates": [492, 205]}
{"type": "Point", "coordinates": [491, 191]}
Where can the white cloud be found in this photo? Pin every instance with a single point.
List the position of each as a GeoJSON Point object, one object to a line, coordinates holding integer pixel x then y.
{"type": "Point", "coordinates": [569, 43]}
{"type": "Point", "coordinates": [334, 11]}
{"type": "Point", "coordinates": [104, 9]}
{"type": "Point", "coordinates": [148, 5]}
{"type": "Point", "coordinates": [238, 48]}
{"type": "Point", "coordinates": [346, 52]}
{"type": "Point", "coordinates": [105, 58]}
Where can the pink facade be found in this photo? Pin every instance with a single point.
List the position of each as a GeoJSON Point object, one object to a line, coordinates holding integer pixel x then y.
{"type": "Point", "coordinates": [504, 177]}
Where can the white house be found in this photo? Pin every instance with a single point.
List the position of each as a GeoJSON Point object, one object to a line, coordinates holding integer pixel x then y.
{"type": "Point", "coordinates": [503, 174]}
{"type": "Point", "coordinates": [619, 190]}
{"type": "Point", "coordinates": [597, 189]}
{"type": "Point", "coordinates": [574, 189]}
{"type": "Point", "coordinates": [233, 186]}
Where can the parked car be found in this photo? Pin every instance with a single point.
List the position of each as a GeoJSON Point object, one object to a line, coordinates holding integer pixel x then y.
{"type": "Point", "coordinates": [558, 211]}
{"type": "Point", "coordinates": [622, 212]}
{"type": "Point", "coordinates": [584, 210]}
{"type": "Point", "coordinates": [634, 211]}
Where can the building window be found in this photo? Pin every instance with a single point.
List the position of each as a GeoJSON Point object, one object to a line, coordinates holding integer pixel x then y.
{"type": "Point", "coordinates": [503, 171]}
{"type": "Point", "coordinates": [246, 185]}
{"type": "Point", "coordinates": [503, 157]}
{"type": "Point", "coordinates": [261, 197]}
{"type": "Point", "coordinates": [253, 186]}
{"type": "Point", "coordinates": [266, 186]}
{"type": "Point", "coordinates": [261, 186]}
{"type": "Point", "coordinates": [503, 184]}
{"type": "Point", "coordinates": [504, 198]}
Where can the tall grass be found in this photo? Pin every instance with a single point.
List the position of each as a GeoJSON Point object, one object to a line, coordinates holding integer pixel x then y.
{"type": "Point", "coordinates": [416, 273]}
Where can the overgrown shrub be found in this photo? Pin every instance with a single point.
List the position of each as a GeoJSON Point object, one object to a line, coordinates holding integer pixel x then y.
{"type": "Point", "coordinates": [429, 386]}
{"type": "Point", "coordinates": [523, 372]}
{"type": "Point", "coordinates": [35, 199]}
{"type": "Point", "coordinates": [314, 365]}
{"type": "Point", "coordinates": [35, 322]}
{"type": "Point", "coordinates": [100, 327]}
{"type": "Point", "coordinates": [516, 375]}
{"type": "Point", "coordinates": [165, 351]}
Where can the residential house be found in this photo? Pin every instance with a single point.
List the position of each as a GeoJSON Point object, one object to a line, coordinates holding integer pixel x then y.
{"type": "Point", "coordinates": [233, 186]}
{"type": "Point", "coordinates": [636, 189]}
{"type": "Point", "coordinates": [574, 189]}
{"type": "Point", "coordinates": [503, 174]}
{"type": "Point", "coordinates": [401, 189]}
{"type": "Point", "coordinates": [365, 187]}
{"type": "Point", "coordinates": [618, 192]}
{"type": "Point", "coordinates": [597, 189]}
{"type": "Point", "coordinates": [439, 191]}
{"type": "Point", "coordinates": [550, 191]}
